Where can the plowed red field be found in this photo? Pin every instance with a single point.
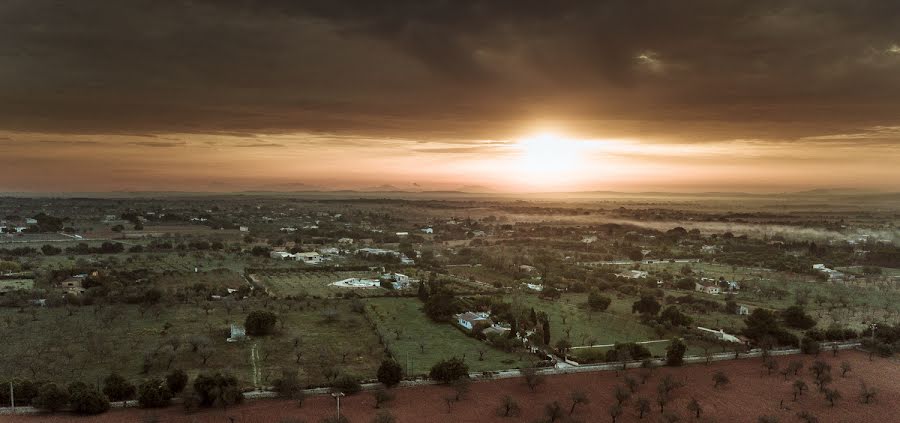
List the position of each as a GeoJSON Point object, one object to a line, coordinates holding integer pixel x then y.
{"type": "Point", "coordinates": [750, 394]}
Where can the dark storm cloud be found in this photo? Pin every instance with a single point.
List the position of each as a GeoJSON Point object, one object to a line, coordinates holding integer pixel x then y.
{"type": "Point", "coordinates": [704, 69]}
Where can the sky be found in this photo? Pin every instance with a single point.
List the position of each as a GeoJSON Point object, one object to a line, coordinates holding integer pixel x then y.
{"type": "Point", "coordinates": [518, 96]}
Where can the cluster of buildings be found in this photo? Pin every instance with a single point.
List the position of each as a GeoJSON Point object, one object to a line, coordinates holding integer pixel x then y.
{"type": "Point", "coordinates": [307, 258]}
{"type": "Point", "coordinates": [833, 275]}
{"type": "Point", "coordinates": [480, 321]}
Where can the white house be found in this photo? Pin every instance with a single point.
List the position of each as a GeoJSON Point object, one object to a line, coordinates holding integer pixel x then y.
{"type": "Point", "coordinates": [742, 310]}
{"type": "Point", "coordinates": [329, 250]}
{"type": "Point", "coordinates": [281, 255]}
{"type": "Point", "coordinates": [30, 221]}
{"type": "Point", "coordinates": [534, 287]}
{"type": "Point", "coordinates": [470, 319]}
{"type": "Point", "coordinates": [427, 230]}
{"type": "Point", "coordinates": [709, 289]}
{"type": "Point", "coordinates": [244, 229]}
{"type": "Point", "coordinates": [720, 334]}
{"type": "Point", "coordinates": [308, 258]}
{"type": "Point", "coordinates": [402, 233]}
{"type": "Point", "coordinates": [345, 241]}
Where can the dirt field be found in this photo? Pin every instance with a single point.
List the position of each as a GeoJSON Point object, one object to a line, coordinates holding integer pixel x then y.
{"type": "Point", "coordinates": [751, 393]}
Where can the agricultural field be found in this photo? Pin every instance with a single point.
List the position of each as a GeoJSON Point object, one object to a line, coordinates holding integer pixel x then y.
{"type": "Point", "coordinates": [15, 284]}
{"type": "Point", "coordinates": [317, 284]}
{"type": "Point", "coordinates": [570, 313]}
{"type": "Point", "coordinates": [86, 343]}
{"type": "Point", "coordinates": [417, 342]}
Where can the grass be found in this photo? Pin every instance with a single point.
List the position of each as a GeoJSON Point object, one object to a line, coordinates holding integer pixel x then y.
{"type": "Point", "coordinates": [616, 324]}
{"type": "Point", "coordinates": [15, 284]}
{"type": "Point", "coordinates": [52, 345]}
{"type": "Point", "coordinates": [421, 342]}
{"type": "Point", "coordinates": [316, 284]}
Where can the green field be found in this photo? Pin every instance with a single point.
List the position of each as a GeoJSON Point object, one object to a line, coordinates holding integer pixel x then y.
{"type": "Point", "coordinates": [417, 342]}
{"type": "Point", "coordinates": [316, 284]}
{"type": "Point", "coordinates": [50, 344]}
{"type": "Point", "coordinates": [15, 284]}
{"type": "Point", "coordinates": [616, 324]}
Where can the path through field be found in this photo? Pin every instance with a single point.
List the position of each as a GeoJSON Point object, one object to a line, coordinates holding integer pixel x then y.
{"type": "Point", "coordinates": [254, 361]}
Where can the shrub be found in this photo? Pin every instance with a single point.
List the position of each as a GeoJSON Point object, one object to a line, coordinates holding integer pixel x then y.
{"type": "Point", "coordinates": [176, 380]}
{"type": "Point", "coordinates": [448, 370]}
{"type": "Point", "coordinates": [260, 322]}
{"type": "Point", "coordinates": [217, 389]}
{"type": "Point", "coordinates": [390, 373]}
{"type": "Point", "coordinates": [88, 400]}
{"type": "Point", "coordinates": [675, 352]}
{"type": "Point", "coordinates": [50, 397]}
{"type": "Point", "coordinates": [153, 393]}
{"type": "Point", "coordinates": [117, 388]}
{"type": "Point", "coordinates": [348, 384]}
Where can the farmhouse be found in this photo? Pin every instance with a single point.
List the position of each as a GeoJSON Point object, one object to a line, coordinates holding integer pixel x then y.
{"type": "Point", "coordinates": [282, 255]}
{"type": "Point", "coordinates": [833, 275]}
{"type": "Point", "coordinates": [497, 329]}
{"type": "Point", "coordinates": [709, 289]}
{"type": "Point", "coordinates": [633, 274]}
{"type": "Point", "coordinates": [308, 258]}
{"type": "Point", "coordinates": [427, 230]}
{"type": "Point", "coordinates": [74, 285]}
{"type": "Point", "coordinates": [244, 229]}
{"type": "Point", "coordinates": [720, 335]}
{"type": "Point", "coordinates": [470, 320]}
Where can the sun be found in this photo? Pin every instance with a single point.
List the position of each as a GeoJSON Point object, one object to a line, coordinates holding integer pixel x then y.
{"type": "Point", "coordinates": [549, 160]}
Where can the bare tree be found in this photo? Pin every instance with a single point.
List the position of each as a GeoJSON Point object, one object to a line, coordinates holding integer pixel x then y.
{"type": "Point", "coordinates": [632, 383]}
{"type": "Point", "coordinates": [508, 408]}
{"type": "Point", "coordinates": [532, 378]}
{"type": "Point", "coordinates": [720, 379]}
{"type": "Point", "coordinates": [845, 367]}
{"type": "Point", "coordinates": [866, 394]}
{"type": "Point", "coordinates": [799, 387]}
{"type": "Point", "coordinates": [615, 411]}
{"type": "Point", "coordinates": [621, 394]}
{"type": "Point", "coordinates": [832, 395]}
{"type": "Point", "coordinates": [578, 397]}
{"type": "Point", "coordinates": [642, 406]}
{"type": "Point", "coordinates": [553, 411]}
{"type": "Point", "coordinates": [694, 407]}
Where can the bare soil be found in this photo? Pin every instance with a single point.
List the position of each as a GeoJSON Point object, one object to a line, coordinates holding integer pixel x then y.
{"type": "Point", "coordinates": [751, 393]}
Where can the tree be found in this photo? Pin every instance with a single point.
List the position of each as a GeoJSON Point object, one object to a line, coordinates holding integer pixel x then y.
{"type": "Point", "coordinates": [642, 406]}
{"type": "Point", "coordinates": [866, 394]}
{"type": "Point", "coordinates": [799, 387]}
{"type": "Point", "coordinates": [460, 388]}
{"type": "Point", "coordinates": [176, 380]}
{"type": "Point", "coordinates": [795, 317]}
{"type": "Point", "coordinates": [674, 317]}
{"type": "Point", "coordinates": [615, 411]}
{"type": "Point", "coordinates": [578, 397]}
{"type": "Point", "coordinates": [720, 379]}
{"type": "Point", "coordinates": [845, 367]}
{"type": "Point", "coordinates": [832, 395]}
{"type": "Point", "coordinates": [770, 364]}
{"type": "Point", "coordinates": [597, 302]}
{"type": "Point", "coordinates": [348, 384]}
{"type": "Point", "coordinates": [288, 385]}
{"type": "Point", "coordinates": [217, 389]}
{"type": "Point", "coordinates": [50, 397]}
{"type": "Point", "coordinates": [508, 407]}
{"type": "Point", "coordinates": [382, 396]}
{"type": "Point", "coordinates": [260, 322]}
{"type": "Point", "coordinates": [117, 388]}
{"type": "Point", "coordinates": [532, 378]}
{"type": "Point", "coordinates": [390, 373]}
{"type": "Point", "coordinates": [694, 407]}
{"type": "Point", "coordinates": [88, 400]}
{"type": "Point", "coordinates": [553, 411]}
{"type": "Point", "coordinates": [646, 306]}
{"type": "Point", "coordinates": [662, 399]}
{"type": "Point", "coordinates": [448, 370]}
{"type": "Point", "coordinates": [675, 352]}
{"type": "Point", "coordinates": [153, 393]}
{"type": "Point", "coordinates": [809, 346]}
{"type": "Point", "coordinates": [621, 394]}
